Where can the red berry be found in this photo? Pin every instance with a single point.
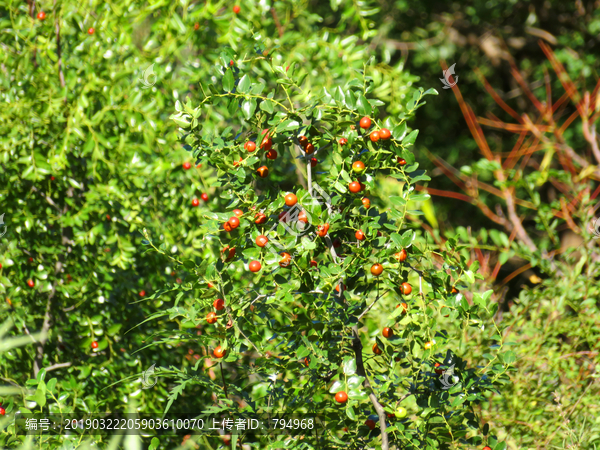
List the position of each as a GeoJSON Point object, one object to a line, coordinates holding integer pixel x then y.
{"type": "Point", "coordinates": [286, 259]}
{"type": "Point", "coordinates": [260, 218]}
{"type": "Point", "coordinates": [238, 212]}
{"type": "Point", "coordinates": [366, 203]}
{"type": "Point", "coordinates": [341, 397]}
{"type": "Point", "coordinates": [262, 171]}
{"type": "Point", "coordinates": [322, 230]}
{"type": "Point", "coordinates": [219, 352]}
{"type": "Point", "coordinates": [376, 269]}
{"type": "Point", "coordinates": [302, 217]}
{"type": "Point", "coordinates": [406, 288]}
{"type": "Point", "coordinates": [2, 411]}
{"type": "Point", "coordinates": [374, 136]}
{"type": "Point", "coordinates": [52, 177]}
{"type": "Point", "coordinates": [387, 332]}
{"type": "Point", "coordinates": [313, 162]}
{"type": "Point", "coordinates": [291, 199]}
{"type": "Point", "coordinates": [370, 423]}
{"type": "Point", "coordinates": [231, 252]}
{"type": "Point", "coordinates": [30, 283]}
{"type": "Point", "coordinates": [142, 293]}
{"type": "Point", "coordinates": [254, 266]}
{"type": "Point", "coordinates": [261, 240]}
{"type": "Point", "coordinates": [313, 263]}
{"type": "Point", "coordinates": [90, 31]}
{"type": "Point", "coordinates": [365, 122]}
{"type": "Point", "coordinates": [231, 62]}
{"type": "Point", "coordinates": [236, 9]}
{"type": "Point", "coordinates": [219, 304]}
{"type": "Point", "coordinates": [271, 154]}
{"type": "Point", "coordinates": [354, 187]}
{"type": "Point", "coordinates": [487, 448]}
{"type": "Point", "coordinates": [266, 143]}
{"type": "Point", "coordinates": [211, 317]}
{"type": "Point", "coordinates": [187, 165]}
{"type": "Point", "coordinates": [41, 15]}
{"type": "Point", "coordinates": [196, 26]}
{"type": "Point", "coordinates": [303, 140]}
{"type": "Point", "coordinates": [343, 141]}
{"type": "Point", "coordinates": [204, 196]}
{"type": "Point", "coordinates": [402, 161]}
{"type": "Point", "coordinates": [195, 202]}
{"type": "Point", "coordinates": [95, 344]}
{"type": "Point", "coordinates": [438, 371]}
{"type": "Point", "coordinates": [233, 222]}
{"type": "Point", "coordinates": [385, 134]}
{"type": "Point", "coordinates": [250, 146]}
{"type": "Point", "coordinates": [401, 255]}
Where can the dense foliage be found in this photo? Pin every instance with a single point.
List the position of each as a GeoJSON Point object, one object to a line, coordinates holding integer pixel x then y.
{"type": "Point", "coordinates": [93, 174]}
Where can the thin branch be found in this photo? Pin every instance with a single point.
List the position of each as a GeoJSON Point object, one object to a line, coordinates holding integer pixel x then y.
{"type": "Point", "coordinates": [58, 49]}
{"type": "Point", "coordinates": [360, 370]}
{"type": "Point", "coordinates": [57, 366]}
{"type": "Point", "coordinates": [277, 22]}
{"type": "Point", "coordinates": [223, 379]}
{"type": "Point", "coordinates": [368, 308]}
{"type": "Point", "coordinates": [39, 357]}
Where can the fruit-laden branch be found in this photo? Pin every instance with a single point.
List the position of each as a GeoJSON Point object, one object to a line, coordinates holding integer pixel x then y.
{"type": "Point", "coordinates": [360, 370]}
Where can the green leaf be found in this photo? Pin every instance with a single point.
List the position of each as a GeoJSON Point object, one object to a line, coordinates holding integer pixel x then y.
{"type": "Point", "coordinates": [349, 366]}
{"type": "Point", "coordinates": [469, 276]}
{"type": "Point", "coordinates": [509, 357]}
{"type": "Point", "coordinates": [244, 85]}
{"type": "Point", "coordinates": [248, 108]}
{"type": "Point", "coordinates": [355, 394]}
{"type": "Point", "coordinates": [154, 444]}
{"type": "Point", "coordinates": [363, 105]}
{"type": "Point", "coordinates": [336, 387]}
{"type": "Point", "coordinates": [355, 382]}
{"type": "Point", "coordinates": [410, 139]}
{"type": "Point", "coordinates": [399, 131]}
{"type": "Point", "coordinates": [267, 106]}
{"type": "Point", "coordinates": [228, 81]}
{"type": "Point", "coordinates": [350, 413]}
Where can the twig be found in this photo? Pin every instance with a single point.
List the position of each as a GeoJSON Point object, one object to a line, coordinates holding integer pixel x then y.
{"type": "Point", "coordinates": [301, 177]}
{"type": "Point", "coordinates": [223, 378]}
{"type": "Point", "coordinates": [39, 357]}
{"type": "Point", "coordinates": [368, 308]}
{"type": "Point", "coordinates": [277, 22]}
{"type": "Point", "coordinates": [360, 369]}
{"type": "Point", "coordinates": [58, 49]}
{"type": "Point", "coordinates": [57, 366]}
